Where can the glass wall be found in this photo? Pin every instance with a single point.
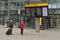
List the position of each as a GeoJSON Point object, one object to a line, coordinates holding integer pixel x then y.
{"type": "Point", "coordinates": [54, 10]}
{"type": "Point", "coordinates": [30, 18]}
{"type": "Point", "coordinates": [14, 12]}
{"type": "Point", "coordinates": [13, 6]}
{"type": "Point", "coordinates": [2, 3]}
{"type": "Point", "coordinates": [54, 5]}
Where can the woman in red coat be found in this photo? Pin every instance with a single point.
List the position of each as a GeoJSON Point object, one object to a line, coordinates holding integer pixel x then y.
{"type": "Point", "coordinates": [22, 27]}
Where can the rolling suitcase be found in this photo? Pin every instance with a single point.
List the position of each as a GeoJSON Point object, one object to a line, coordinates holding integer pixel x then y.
{"type": "Point", "coordinates": [9, 31]}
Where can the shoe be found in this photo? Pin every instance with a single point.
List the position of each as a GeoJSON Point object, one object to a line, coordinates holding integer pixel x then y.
{"type": "Point", "coordinates": [21, 34]}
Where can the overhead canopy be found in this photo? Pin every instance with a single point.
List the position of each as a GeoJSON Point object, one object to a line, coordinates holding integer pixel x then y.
{"type": "Point", "coordinates": [36, 5]}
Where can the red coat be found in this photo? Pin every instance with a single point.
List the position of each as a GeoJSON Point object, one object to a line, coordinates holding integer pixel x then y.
{"type": "Point", "coordinates": [21, 25]}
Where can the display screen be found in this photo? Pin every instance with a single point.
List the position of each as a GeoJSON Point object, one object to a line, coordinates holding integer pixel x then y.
{"type": "Point", "coordinates": [28, 11]}
{"type": "Point", "coordinates": [45, 11]}
{"type": "Point", "coordinates": [38, 11]}
{"type": "Point", "coordinates": [33, 11]}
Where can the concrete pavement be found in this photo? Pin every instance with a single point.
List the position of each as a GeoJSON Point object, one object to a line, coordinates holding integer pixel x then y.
{"type": "Point", "coordinates": [50, 34]}
{"type": "Point", "coordinates": [28, 35]}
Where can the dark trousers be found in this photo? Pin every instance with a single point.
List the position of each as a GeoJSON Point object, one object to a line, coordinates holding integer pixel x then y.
{"type": "Point", "coordinates": [21, 31]}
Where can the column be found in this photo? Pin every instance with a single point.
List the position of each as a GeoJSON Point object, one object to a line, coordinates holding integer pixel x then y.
{"type": "Point", "coordinates": [9, 8]}
{"type": "Point", "coordinates": [37, 24]}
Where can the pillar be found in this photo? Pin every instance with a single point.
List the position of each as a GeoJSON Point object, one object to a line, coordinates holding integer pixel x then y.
{"type": "Point", "coordinates": [37, 24]}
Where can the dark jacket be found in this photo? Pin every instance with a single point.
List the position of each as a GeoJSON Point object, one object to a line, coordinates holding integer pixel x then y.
{"type": "Point", "coordinates": [10, 24]}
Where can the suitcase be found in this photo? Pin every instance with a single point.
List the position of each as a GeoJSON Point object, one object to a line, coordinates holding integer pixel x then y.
{"type": "Point", "coordinates": [9, 31]}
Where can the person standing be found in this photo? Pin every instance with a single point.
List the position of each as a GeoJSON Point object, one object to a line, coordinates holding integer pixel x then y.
{"type": "Point", "coordinates": [22, 27]}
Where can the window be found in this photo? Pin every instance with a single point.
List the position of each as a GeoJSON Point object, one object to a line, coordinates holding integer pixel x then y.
{"type": "Point", "coordinates": [6, 4]}
{"type": "Point", "coordinates": [17, 4]}
{"type": "Point", "coordinates": [28, 11]}
{"type": "Point", "coordinates": [13, 12]}
{"type": "Point", "coordinates": [58, 11]}
{"type": "Point", "coordinates": [1, 12]}
{"type": "Point", "coordinates": [5, 12]}
{"type": "Point", "coordinates": [32, 11]}
{"type": "Point", "coordinates": [13, 4]}
{"type": "Point", "coordinates": [53, 5]}
{"type": "Point", "coordinates": [58, 5]}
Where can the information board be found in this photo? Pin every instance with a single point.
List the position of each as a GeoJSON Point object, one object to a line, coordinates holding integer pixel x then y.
{"type": "Point", "coordinates": [45, 11]}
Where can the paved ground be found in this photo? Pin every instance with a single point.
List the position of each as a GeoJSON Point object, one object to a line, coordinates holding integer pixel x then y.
{"type": "Point", "coordinates": [50, 34]}
{"type": "Point", "coordinates": [28, 35]}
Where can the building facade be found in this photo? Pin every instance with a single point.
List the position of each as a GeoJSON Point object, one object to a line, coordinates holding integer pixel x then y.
{"type": "Point", "coordinates": [9, 9]}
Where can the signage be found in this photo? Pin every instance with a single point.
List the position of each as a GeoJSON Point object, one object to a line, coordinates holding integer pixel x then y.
{"type": "Point", "coordinates": [44, 10]}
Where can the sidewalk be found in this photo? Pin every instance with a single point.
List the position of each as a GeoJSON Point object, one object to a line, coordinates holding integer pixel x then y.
{"type": "Point", "coordinates": [50, 34]}
{"type": "Point", "coordinates": [28, 35]}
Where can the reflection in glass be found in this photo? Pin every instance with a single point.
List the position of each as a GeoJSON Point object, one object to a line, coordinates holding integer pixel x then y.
{"type": "Point", "coordinates": [28, 11]}
{"type": "Point", "coordinates": [32, 11]}
{"type": "Point", "coordinates": [39, 12]}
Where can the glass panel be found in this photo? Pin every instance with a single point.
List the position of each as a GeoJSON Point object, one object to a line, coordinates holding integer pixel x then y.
{"type": "Point", "coordinates": [53, 11]}
{"type": "Point", "coordinates": [1, 12]}
{"type": "Point", "coordinates": [50, 12]}
{"type": "Point", "coordinates": [32, 22]}
{"type": "Point", "coordinates": [45, 11]}
{"type": "Point", "coordinates": [58, 5]}
{"type": "Point", "coordinates": [5, 13]}
{"type": "Point", "coordinates": [17, 4]}
{"type": "Point", "coordinates": [23, 12]}
{"type": "Point", "coordinates": [2, 21]}
{"type": "Point", "coordinates": [39, 12]}
{"type": "Point", "coordinates": [53, 5]}
{"type": "Point", "coordinates": [33, 11]}
{"type": "Point", "coordinates": [57, 1]}
{"type": "Point", "coordinates": [29, 22]}
{"type": "Point", "coordinates": [13, 12]}
{"type": "Point", "coordinates": [4, 0]}
{"type": "Point", "coordinates": [2, 3]}
{"type": "Point", "coordinates": [58, 11]}
{"type": "Point", "coordinates": [28, 11]}
{"type": "Point", "coordinates": [49, 5]}
{"type": "Point", "coordinates": [13, 5]}
{"type": "Point", "coordinates": [6, 3]}
{"type": "Point", "coordinates": [58, 23]}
